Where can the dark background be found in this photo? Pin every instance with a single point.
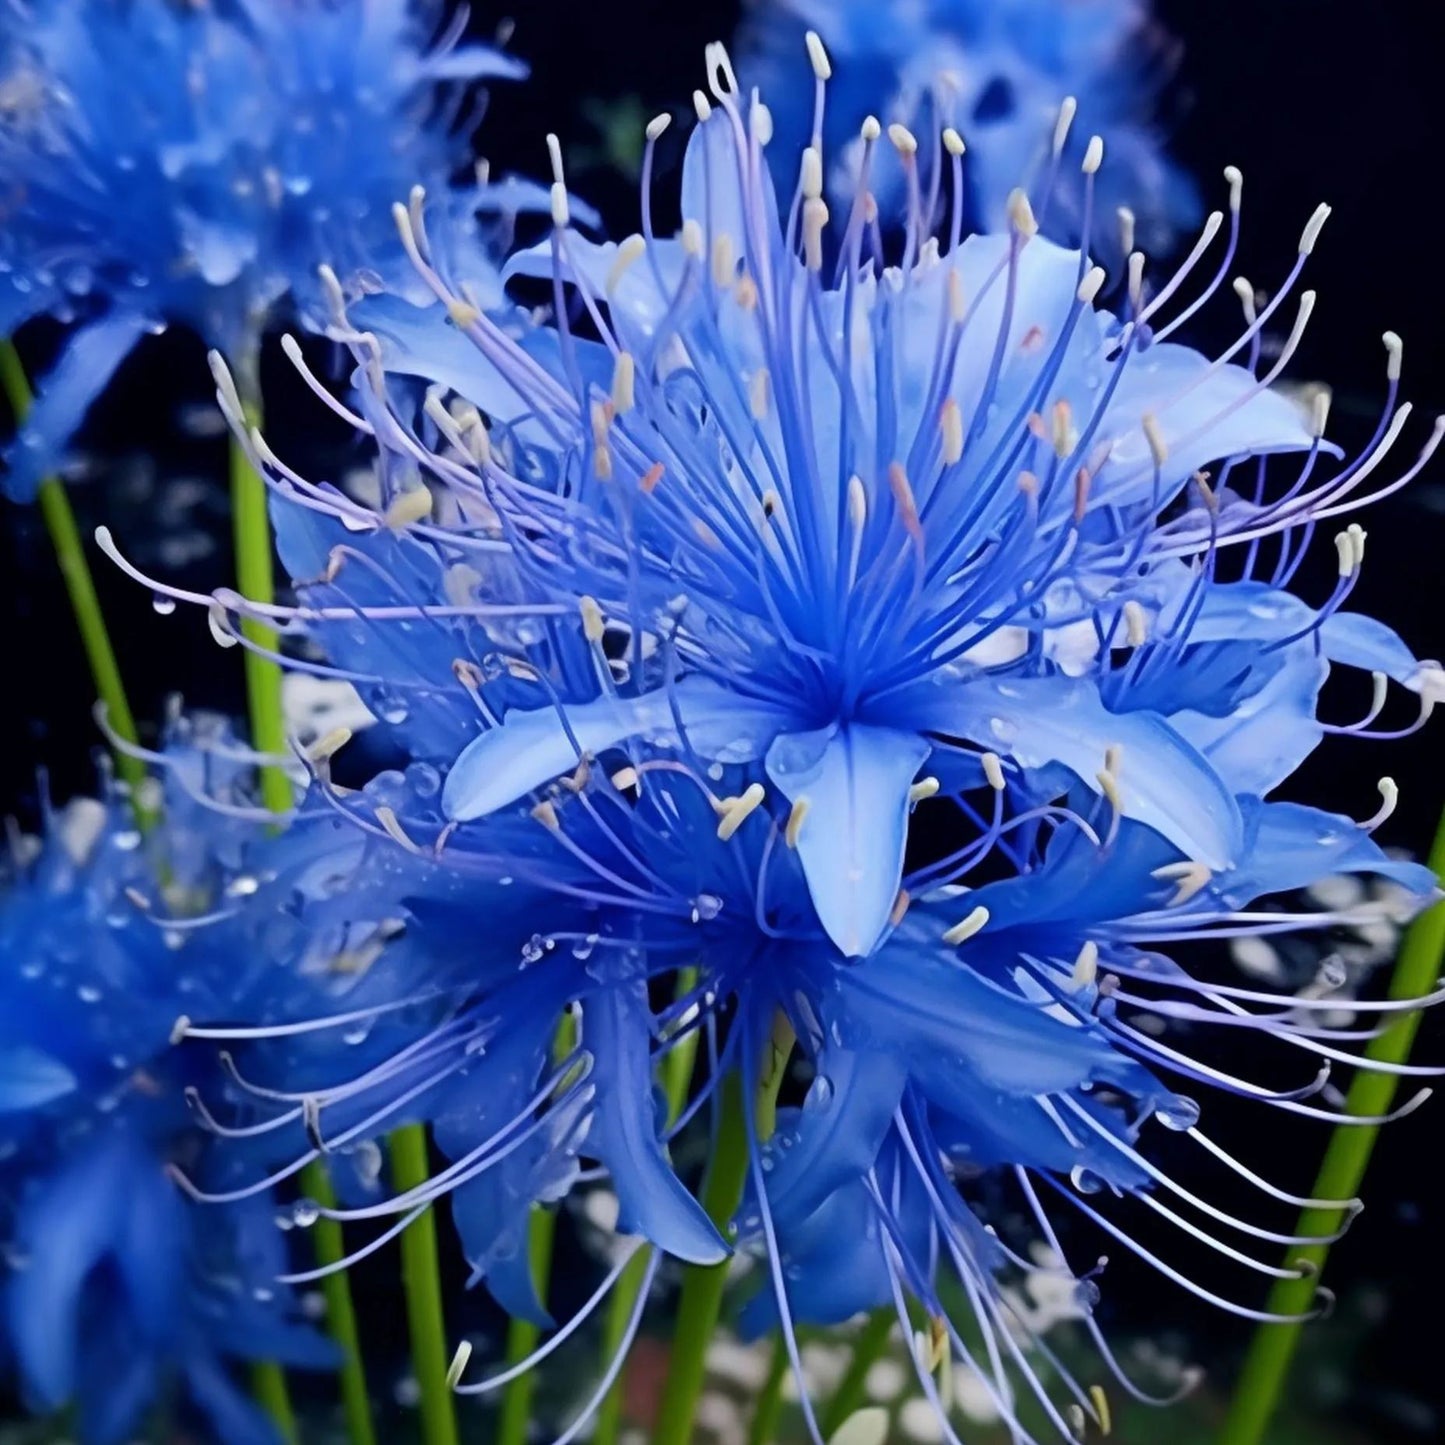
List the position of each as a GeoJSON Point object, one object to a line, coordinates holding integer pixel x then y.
{"type": "Point", "coordinates": [1315, 101]}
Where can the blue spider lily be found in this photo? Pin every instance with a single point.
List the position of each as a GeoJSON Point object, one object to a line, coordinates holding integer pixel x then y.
{"type": "Point", "coordinates": [1019, 1032]}
{"type": "Point", "coordinates": [863, 575]}
{"type": "Point", "coordinates": [998, 71]}
{"type": "Point", "coordinates": [195, 164]}
{"type": "Point", "coordinates": [116, 1290]}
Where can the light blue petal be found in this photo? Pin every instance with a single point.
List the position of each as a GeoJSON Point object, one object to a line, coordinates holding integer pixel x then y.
{"type": "Point", "coordinates": [854, 779]}
{"type": "Point", "coordinates": [29, 1077]}
{"type": "Point", "coordinates": [1355, 640]}
{"type": "Point", "coordinates": [1291, 846]}
{"type": "Point", "coordinates": [638, 299]}
{"type": "Point", "coordinates": [1201, 413]}
{"type": "Point", "coordinates": [531, 748]}
{"type": "Point", "coordinates": [1165, 782]}
{"type": "Point", "coordinates": [616, 1029]}
{"type": "Point", "coordinates": [63, 397]}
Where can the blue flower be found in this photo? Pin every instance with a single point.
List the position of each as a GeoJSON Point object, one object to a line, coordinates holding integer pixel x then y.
{"type": "Point", "coordinates": [1022, 1032]}
{"type": "Point", "coordinates": [195, 164]}
{"type": "Point", "coordinates": [998, 71]}
{"type": "Point", "coordinates": [989, 531]}
{"type": "Point", "coordinates": [116, 1287]}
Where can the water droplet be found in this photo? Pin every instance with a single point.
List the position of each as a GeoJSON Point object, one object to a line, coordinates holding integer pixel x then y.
{"type": "Point", "coordinates": [305, 1213]}
{"type": "Point", "coordinates": [1084, 1181]}
{"type": "Point", "coordinates": [1178, 1112]}
{"type": "Point", "coordinates": [583, 947]}
{"type": "Point", "coordinates": [1087, 1295]}
{"type": "Point", "coordinates": [424, 778]}
{"type": "Point", "coordinates": [1333, 973]}
{"type": "Point", "coordinates": [706, 907]}
{"type": "Point", "coordinates": [88, 993]}
{"type": "Point", "coordinates": [163, 605]}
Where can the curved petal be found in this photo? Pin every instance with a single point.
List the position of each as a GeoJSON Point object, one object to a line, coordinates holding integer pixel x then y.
{"type": "Point", "coordinates": [617, 1029]}
{"type": "Point", "coordinates": [1203, 413]}
{"type": "Point", "coordinates": [62, 399]}
{"type": "Point", "coordinates": [1290, 846]}
{"type": "Point", "coordinates": [1355, 640]}
{"type": "Point", "coordinates": [835, 1137]}
{"type": "Point", "coordinates": [533, 747]}
{"type": "Point", "coordinates": [65, 1229]}
{"type": "Point", "coordinates": [1165, 782]}
{"type": "Point", "coordinates": [854, 780]}
{"type": "Point", "coordinates": [29, 1077]}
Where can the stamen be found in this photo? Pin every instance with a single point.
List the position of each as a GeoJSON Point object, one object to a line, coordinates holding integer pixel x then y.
{"type": "Point", "coordinates": [738, 810]}
{"type": "Point", "coordinates": [1086, 966]}
{"type": "Point", "coordinates": [546, 814]}
{"type": "Point", "coordinates": [328, 745]}
{"type": "Point", "coordinates": [967, 927]}
{"type": "Point", "coordinates": [952, 141]}
{"type": "Point", "coordinates": [1101, 1409]}
{"type": "Point", "coordinates": [1021, 215]}
{"type": "Point", "coordinates": [1394, 349]}
{"type": "Point", "coordinates": [1235, 177]}
{"type": "Point", "coordinates": [458, 1366]}
{"type": "Point", "coordinates": [923, 788]}
{"type": "Point", "coordinates": [904, 141]}
{"type": "Point", "coordinates": [1136, 623]}
{"type": "Point", "coordinates": [1093, 155]}
{"type": "Point", "coordinates": [413, 505]}
{"type": "Point", "coordinates": [1190, 878]}
{"type": "Point", "coordinates": [1092, 284]}
{"type": "Point", "coordinates": [1390, 796]}
{"type": "Point", "coordinates": [628, 252]}
{"type": "Point", "coordinates": [796, 818]}
{"type": "Point", "coordinates": [624, 382]}
{"type": "Point", "coordinates": [1067, 110]}
{"type": "Point", "coordinates": [1312, 229]}
{"type": "Point", "coordinates": [993, 771]}
{"type": "Point", "coordinates": [658, 124]}
{"type": "Point", "coordinates": [1126, 230]}
{"type": "Point", "coordinates": [950, 423]}
{"type": "Point", "coordinates": [822, 67]}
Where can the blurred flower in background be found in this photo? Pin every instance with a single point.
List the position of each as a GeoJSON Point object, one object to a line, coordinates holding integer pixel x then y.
{"type": "Point", "coordinates": [997, 71]}
{"type": "Point", "coordinates": [196, 164]}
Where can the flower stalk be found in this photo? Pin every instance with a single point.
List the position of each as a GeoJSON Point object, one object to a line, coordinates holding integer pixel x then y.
{"type": "Point", "coordinates": [256, 580]}
{"type": "Point", "coordinates": [421, 1278]}
{"type": "Point", "coordinates": [1262, 1381]}
{"type": "Point", "coordinates": [65, 538]}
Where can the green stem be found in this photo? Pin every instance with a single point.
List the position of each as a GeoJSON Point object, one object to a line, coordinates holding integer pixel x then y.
{"type": "Point", "coordinates": [340, 1311]}
{"type": "Point", "coordinates": [764, 1427]}
{"type": "Point", "coordinates": [421, 1279]}
{"type": "Point", "coordinates": [522, 1334]}
{"type": "Point", "coordinates": [256, 581]}
{"type": "Point", "coordinates": [702, 1285]}
{"type": "Point", "coordinates": [80, 588]}
{"type": "Point", "coordinates": [871, 1342]}
{"type": "Point", "coordinates": [677, 1071]}
{"type": "Point", "coordinates": [1267, 1362]}
{"type": "Point", "coordinates": [268, 1385]}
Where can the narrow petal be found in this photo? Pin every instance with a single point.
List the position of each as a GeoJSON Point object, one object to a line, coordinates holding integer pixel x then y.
{"type": "Point", "coordinates": [1164, 781]}
{"type": "Point", "coordinates": [531, 748]}
{"type": "Point", "coordinates": [653, 1203]}
{"type": "Point", "coordinates": [29, 1077]}
{"type": "Point", "coordinates": [854, 780]}
{"type": "Point", "coordinates": [64, 396]}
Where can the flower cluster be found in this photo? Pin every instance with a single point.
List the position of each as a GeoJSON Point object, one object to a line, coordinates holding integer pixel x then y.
{"type": "Point", "coordinates": [114, 1289]}
{"type": "Point", "coordinates": [684, 611]}
{"type": "Point", "coordinates": [196, 164]}
{"type": "Point", "coordinates": [997, 71]}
